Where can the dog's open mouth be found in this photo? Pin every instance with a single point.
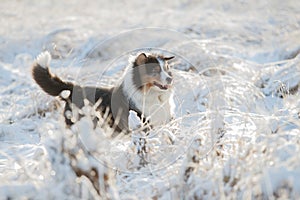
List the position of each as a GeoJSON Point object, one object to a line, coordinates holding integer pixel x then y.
{"type": "Point", "coordinates": [162, 87]}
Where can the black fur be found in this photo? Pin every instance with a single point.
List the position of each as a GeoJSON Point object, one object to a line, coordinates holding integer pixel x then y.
{"type": "Point", "coordinates": [49, 83]}
{"type": "Point", "coordinates": [53, 85]}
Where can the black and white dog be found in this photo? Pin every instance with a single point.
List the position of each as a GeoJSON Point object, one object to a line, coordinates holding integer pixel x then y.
{"type": "Point", "coordinates": [146, 88]}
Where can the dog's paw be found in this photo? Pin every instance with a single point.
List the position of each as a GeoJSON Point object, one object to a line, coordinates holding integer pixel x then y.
{"type": "Point", "coordinates": [134, 122]}
{"type": "Point", "coordinates": [43, 59]}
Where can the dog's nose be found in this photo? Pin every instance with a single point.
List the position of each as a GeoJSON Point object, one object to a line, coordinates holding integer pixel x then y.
{"type": "Point", "coordinates": [169, 80]}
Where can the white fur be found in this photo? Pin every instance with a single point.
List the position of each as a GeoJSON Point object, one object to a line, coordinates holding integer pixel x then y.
{"type": "Point", "coordinates": [156, 105]}
{"type": "Point", "coordinates": [163, 74]}
{"type": "Point", "coordinates": [65, 94]}
{"type": "Point", "coordinates": [43, 59]}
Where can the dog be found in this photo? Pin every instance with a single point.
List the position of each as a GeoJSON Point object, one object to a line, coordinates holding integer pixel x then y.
{"type": "Point", "coordinates": [146, 88]}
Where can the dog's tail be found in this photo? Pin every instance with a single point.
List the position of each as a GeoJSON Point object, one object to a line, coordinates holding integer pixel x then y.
{"type": "Point", "coordinates": [50, 83]}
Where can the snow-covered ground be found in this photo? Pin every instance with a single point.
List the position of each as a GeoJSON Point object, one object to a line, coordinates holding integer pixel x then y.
{"type": "Point", "coordinates": [236, 134]}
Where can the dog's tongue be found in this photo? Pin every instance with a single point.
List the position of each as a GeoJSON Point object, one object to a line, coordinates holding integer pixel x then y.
{"type": "Point", "coordinates": [163, 87]}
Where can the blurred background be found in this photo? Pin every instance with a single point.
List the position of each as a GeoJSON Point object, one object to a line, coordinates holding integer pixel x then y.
{"type": "Point", "coordinates": [261, 31]}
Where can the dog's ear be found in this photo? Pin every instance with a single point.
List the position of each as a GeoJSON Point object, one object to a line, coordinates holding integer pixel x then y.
{"type": "Point", "coordinates": [169, 58]}
{"type": "Point", "coordinates": [141, 59]}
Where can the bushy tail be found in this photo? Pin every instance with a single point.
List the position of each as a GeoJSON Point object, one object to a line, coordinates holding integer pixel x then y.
{"type": "Point", "coordinates": [50, 83]}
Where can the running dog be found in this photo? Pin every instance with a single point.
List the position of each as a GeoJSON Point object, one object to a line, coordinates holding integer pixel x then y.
{"type": "Point", "coordinates": [146, 88]}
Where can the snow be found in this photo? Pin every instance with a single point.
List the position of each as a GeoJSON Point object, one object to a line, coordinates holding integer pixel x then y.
{"type": "Point", "coordinates": [237, 79]}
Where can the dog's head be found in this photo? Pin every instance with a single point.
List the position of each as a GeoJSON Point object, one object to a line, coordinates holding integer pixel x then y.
{"type": "Point", "coordinates": [152, 72]}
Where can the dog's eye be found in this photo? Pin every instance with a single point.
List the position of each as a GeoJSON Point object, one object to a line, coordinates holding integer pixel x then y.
{"type": "Point", "coordinates": [156, 69]}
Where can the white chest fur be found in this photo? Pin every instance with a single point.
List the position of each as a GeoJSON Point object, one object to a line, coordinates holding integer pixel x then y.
{"type": "Point", "coordinates": [158, 107]}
